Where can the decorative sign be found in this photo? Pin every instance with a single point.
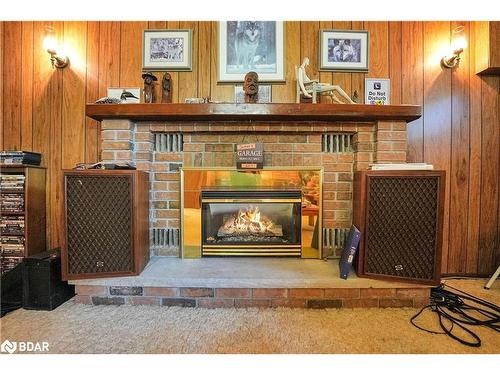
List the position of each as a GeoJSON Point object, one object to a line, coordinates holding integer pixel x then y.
{"type": "Point", "coordinates": [377, 91]}
{"type": "Point", "coordinates": [250, 156]}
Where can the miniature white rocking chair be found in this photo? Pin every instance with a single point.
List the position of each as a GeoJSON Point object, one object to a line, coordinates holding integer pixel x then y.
{"type": "Point", "coordinates": [310, 88]}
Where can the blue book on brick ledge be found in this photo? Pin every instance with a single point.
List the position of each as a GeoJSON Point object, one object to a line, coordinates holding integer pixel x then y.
{"type": "Point", "coordinates": [349, 251]}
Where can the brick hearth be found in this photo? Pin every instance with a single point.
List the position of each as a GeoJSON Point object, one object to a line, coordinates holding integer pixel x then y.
{"type": "Point", "coordinates": [212, 144]}
{"type": "Point", "coordinates": [318, 298]}
{"type": "Point", "coordinates": [248, 282]}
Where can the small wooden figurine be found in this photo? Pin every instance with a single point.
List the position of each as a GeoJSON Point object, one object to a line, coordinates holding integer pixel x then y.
{"type": "Point", "coordinates": [149, 87]}
{"type": "Point", "coordinates": [355, 96]}
{"type": "Point", "coordinates": [310, 88]}
{"type": "Point", "coordinates": [251, 87]}
{"type": "Point", "coordinates": [166, 85]}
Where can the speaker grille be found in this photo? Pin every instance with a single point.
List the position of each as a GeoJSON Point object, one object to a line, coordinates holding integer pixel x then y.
{"type": "Point", "coordinates": [401, 227]}
{"type": "Point", "coordinates": [99, 220]}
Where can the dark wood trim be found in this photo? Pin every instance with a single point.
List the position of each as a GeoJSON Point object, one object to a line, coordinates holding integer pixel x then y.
{"type": "Point", "coordinates": [64, 257]}
{"type": "Point", "coordinates": [358, 217]}
{"type": "Point", "coordinates": [464, 275]}
{"type": "Point", "coordinates": [141, 220]}
{"type": "Point", "coordinates": [35, 225]}
{"type": "Point", "coordinates": [245, 112]}
{"type": "Point", "coordinates": [19, 167]}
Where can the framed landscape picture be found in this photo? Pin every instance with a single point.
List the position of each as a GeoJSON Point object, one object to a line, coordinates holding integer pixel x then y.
{"type": "Point", "coordinates": [167, 50]}
{"type": "Point", "coordinates": [246, 46]}
{"type": "Point", "coordinates": [343, 50]}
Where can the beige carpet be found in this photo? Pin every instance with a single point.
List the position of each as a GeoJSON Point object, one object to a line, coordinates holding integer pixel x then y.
{"type": "Point", "coordinates": [74, 328]}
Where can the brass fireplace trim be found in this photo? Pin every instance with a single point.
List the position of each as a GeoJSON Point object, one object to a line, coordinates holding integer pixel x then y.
{"type": "Point", "coordinates": [191, 244]}
{"type": "Point", "coordinates": [250, 253]}
{"type": "Point", "coordinates": [252, 247]}
{"type": "Point", "coordinates": [252, 200]}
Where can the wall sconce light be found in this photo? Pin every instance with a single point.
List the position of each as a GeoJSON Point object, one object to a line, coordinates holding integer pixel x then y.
{"type": "Point", "coordinates": [50, 44]}
{"type": "Point", "coordinates": [458, 44]}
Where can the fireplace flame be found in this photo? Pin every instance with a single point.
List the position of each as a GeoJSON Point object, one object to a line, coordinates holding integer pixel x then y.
{"type": "Point", "coordinates": [248, 220]}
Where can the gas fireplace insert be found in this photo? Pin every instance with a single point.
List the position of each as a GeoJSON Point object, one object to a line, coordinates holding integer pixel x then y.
{"type": "Point", "coordinates": [251, 222]}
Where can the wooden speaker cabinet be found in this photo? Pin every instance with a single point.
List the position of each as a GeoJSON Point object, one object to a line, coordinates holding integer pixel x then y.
{"type": "Point", "coordinates": [400, 216]}
{"type": "Point", "coordinates": [106, 223]}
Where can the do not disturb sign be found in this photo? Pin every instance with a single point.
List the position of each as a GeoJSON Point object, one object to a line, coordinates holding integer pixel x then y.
{"type": "Point", "coordinates": [250, 156]}
{"type": "Point", "coordinates": [377, 91]}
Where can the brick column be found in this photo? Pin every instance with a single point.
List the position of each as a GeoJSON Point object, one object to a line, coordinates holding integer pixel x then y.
{"type": "Point", "coordinates": [165, 185]}
{"type": "Point", "coordinates": [143, 147]}
{"type": "Point", "coordinates": [390, 142]}
{"type": "Point", "coordinates": [117, 141]}
{"type": "Point", "coordinates": [364, 148]}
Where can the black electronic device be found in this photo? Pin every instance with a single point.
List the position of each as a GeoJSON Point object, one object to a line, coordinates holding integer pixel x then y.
{"type": "Point", "coordinates": [20, 157]}
{"type": "Point", "coordinates": [11, 297]}
{"type": "Point", "coordinates": [43, 288]}
{"type": "Point", "coordinates": [101, 165]}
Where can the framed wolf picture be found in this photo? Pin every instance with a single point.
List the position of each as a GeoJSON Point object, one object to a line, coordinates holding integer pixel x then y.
{"type": "Point", "coordinates": [251, 46]}
{"type": "Point", "coordinates": [343, 50]}
{"type": "Point", "coordinates": [167, 50]}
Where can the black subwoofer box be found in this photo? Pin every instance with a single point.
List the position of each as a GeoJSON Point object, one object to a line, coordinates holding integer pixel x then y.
{"type": "Point", "coordinates": [11, 297]}
{"type": "Point", "coordinates": [43, 288]}
{"type": "Point", "coordinates": [400, 216]}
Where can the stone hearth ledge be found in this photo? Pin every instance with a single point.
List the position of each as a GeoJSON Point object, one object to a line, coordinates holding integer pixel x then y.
{"type": "Point", "coordinates": [248, 282]}
{"type": "Point", "coordinates": [243, 273]}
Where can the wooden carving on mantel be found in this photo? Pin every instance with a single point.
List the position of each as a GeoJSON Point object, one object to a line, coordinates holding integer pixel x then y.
{"type": "Point", "coordinates": [251, 87]}
{"type": "Point", "coordinates": [310, 88]}
{"type": "Point", "coordinates": [149, 88]}
{"type": "Point", "coordinates": [166, 86]}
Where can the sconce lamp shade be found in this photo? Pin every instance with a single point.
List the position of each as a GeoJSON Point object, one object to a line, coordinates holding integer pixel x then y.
{"type": "Point", "coordinates": [458, 44]}
{"type": "Point", "coordinates": [458, 39]}
{"type": "Point", "coordinates": [50, 45]}
{"type": "Point", "coordinates": [49, 40]}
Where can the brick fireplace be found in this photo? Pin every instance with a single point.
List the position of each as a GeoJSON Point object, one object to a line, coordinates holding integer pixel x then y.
{"type": "Point", "coordinates": [167, 140]}
{"type": "Point", "coordinates": [162, 143]}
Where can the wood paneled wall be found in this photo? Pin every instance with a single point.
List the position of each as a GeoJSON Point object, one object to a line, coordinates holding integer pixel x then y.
{"type": "Point", "coordinates": [43, 108]}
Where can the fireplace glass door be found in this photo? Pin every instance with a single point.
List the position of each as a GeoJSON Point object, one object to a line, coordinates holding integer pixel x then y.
{"type": "Point", "coordinates": [251, 223]}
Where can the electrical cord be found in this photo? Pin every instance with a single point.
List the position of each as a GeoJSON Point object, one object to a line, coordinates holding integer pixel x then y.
{"type": "Point", "coordinates": [460, 309]}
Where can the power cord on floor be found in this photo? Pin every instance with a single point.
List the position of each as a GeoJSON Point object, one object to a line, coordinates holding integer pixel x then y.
{"type": "Point", "coordinates": [457, 309]}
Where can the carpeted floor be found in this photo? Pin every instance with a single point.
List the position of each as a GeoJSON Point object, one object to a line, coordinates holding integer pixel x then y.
{"type": "Point", "coordinates": [74, 328]}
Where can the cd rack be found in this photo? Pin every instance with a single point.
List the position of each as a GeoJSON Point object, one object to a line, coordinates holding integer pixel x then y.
{"type": "Point", "coordinates": [22, 214]}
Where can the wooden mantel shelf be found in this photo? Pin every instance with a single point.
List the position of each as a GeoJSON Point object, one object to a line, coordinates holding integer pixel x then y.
{"type": "Point", "coordinates": [255, 112]}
